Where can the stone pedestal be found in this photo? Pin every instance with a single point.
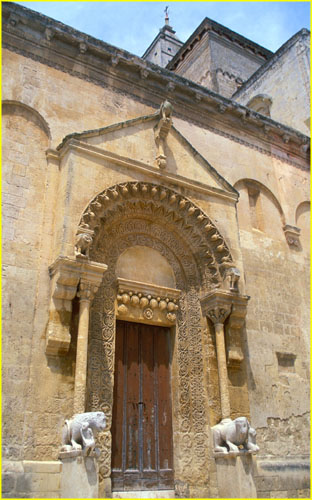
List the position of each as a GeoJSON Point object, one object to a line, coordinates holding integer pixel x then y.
{"type": "Point", "coordinates": [79, 477]}
{"type": "Point", "coordinates": [235, 475]}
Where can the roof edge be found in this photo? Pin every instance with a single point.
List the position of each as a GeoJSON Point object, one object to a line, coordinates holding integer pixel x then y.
{"type": "Point", "coordinates": [265, 66]}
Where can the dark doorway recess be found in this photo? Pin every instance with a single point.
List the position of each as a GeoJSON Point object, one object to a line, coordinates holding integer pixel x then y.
{"type": "Point", "coordinates": [142, 451]}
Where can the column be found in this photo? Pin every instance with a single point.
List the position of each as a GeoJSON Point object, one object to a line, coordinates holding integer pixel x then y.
{"type": "Point", "coordinates": [86, 294]}
{"type": "Point", "coordinates": [218, 315]}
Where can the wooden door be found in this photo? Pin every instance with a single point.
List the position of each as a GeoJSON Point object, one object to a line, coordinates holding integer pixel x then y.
{"type": "Point", "coordinates": [142, 420]}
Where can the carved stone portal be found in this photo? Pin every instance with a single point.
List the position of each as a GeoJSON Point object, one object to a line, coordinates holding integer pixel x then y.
{"type": "Point", "coordinates": [149, 215]}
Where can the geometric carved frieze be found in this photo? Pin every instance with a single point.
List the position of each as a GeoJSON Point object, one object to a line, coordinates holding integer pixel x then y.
{"type": "Point", "coordinates": [172, 208]}
{"type": "Point", "coordinates": [65, 274]}
{"type": "Point", "coordinates": [292, 235]}
{"type": "Point", "coordinates": [147, 303]}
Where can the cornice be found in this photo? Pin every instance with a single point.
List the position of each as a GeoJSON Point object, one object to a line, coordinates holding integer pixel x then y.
{"type": "Point", "coordinates": [56, 45]}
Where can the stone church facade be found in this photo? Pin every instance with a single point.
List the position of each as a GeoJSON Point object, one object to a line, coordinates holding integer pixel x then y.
{"type": "Point", "coordinates": [156, 259]}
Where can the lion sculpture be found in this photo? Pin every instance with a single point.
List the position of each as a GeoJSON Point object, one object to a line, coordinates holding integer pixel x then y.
{"type": "Point", "coordinates": [229, 434]}
{"type": "Point", "coordinates": [80, 431]}
{"type": "Point", "coordinates": [83, 243]}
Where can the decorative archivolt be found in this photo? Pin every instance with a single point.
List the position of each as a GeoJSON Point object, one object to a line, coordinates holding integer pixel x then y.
{"type": "Point", "coordinates": [157, 202]}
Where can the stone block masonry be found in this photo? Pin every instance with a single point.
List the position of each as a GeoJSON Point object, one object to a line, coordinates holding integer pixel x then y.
{"type": "Point", "coordinates": [30, 479]}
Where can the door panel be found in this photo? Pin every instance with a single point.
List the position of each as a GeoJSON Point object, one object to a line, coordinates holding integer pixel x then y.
{"type": "Point", "coordinates": [142, 421]}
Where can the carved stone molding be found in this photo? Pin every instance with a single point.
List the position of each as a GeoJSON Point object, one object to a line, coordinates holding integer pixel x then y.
{"type": "Point", "coordinates": [143, 302]}
{"type": "Point", "coordinates": [156, 201]}
{"type": "Point", "coordinates": [292, 234]}
{"type": "Point", "coordinates": [141, 218]}
{"type": "Point", "coordinates": [65, 274]}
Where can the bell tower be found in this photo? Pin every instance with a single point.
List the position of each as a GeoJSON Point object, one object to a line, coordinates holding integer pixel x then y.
{"type": "Point", "coordinates": [165, 46]}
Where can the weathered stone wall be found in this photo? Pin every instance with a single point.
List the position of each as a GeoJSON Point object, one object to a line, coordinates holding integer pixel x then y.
{"type": "Point", "coordinates": [30, 479]}
{"type": "Point", "coordinates": [24, 177]}
{"type": "Point", "coordinates": [287, 81]}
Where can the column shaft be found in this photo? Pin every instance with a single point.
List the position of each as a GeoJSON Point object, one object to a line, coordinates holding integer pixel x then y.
{"type": "Point", "coordinates": [81, 357]}
{"type": "Point", "coordinates": [222, 369]}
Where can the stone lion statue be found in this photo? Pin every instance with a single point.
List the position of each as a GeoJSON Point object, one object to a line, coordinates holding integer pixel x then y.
{"type": "Point", "coordinates": [83, 243]}
{"type": "Point", "coordinates": [80, 431]}
{"type": "Point", "coordinates": [229, 434]}
{"type": "Point", "coordinates": [231, 279]}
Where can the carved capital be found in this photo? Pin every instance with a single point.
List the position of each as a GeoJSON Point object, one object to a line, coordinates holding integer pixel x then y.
{"type": "Point", "coordinates": [218, 314]}
{"type": "Point", "coordinates": [87, 291]}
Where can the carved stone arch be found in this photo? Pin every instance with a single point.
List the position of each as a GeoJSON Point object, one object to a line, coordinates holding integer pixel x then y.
{"type": "Point", "coordinates": [8, 105]}
{"type": "Point", "coordinates": [160, 203]}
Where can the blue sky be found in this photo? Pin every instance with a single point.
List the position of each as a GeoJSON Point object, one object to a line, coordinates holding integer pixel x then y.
{"type": "Point", "coordinates": [133, 25]}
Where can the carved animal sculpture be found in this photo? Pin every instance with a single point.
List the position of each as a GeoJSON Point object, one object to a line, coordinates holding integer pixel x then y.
{"type": "Point", "coordinates": [83, 242]}
{"type": "Point", "coordinates": [166, 109]}
{"type": "Point", "coordinates": [80, 431]}
{"type": "Point", "coordinates": [232, 277]}
{"type": "Point", "coordinates": [229, 434]}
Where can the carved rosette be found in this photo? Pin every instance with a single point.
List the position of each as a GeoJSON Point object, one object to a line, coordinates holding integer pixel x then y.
{"type": "Point", "coordinates": [148, 303]}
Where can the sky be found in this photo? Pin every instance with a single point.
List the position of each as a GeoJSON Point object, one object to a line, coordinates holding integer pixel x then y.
{"type": "Point", "coordinates": [134, 25]}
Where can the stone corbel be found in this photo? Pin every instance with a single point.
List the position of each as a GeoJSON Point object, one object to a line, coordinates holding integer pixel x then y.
{"type": "Point", "coordinates": [234, 327]}
{"type": "Point", "coordinates": [161, 131]}
{"type": "Point", "coordinates": [65, 274]}
{"type": "Point", "coordinates": [147, 303]}
{"type": "Point", "coordinates": [292, 234]}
